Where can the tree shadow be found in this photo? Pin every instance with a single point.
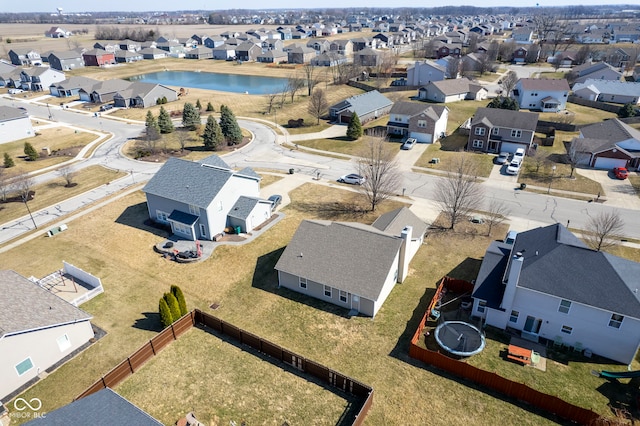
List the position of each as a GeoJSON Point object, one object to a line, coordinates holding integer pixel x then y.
{"type": "Point", "coordinates": [150, 322]}
{"type": "Point", "coordinates": [337, 210]}
{"type": "Point", "coordinates": [623, 398]}
{"type": "Point", "coordinates": [137, 216]}
{"type": "Point", "coordinates": [266, 278]}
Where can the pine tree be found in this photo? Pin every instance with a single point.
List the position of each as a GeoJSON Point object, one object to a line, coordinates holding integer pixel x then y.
{"type": "Point", "coordinates": [210, 107]}
{"type": "Point", "coordinates": [177, 292]}
{"type": "Point", "coordinates": [190, 117]}
{"type": "Point", "coordinates": [354, 131]}
{"type": "Point", "coordinates": [164, 121]}
{"type": "Point", "coordinates": [165, 314]}
{"type": "Point", "coordinates": [8, 161]}
{"type": "Point", "coordinates": [212, 135]}
{"type": "Point", "coordinates": [229, 125]}
{"type": "Point", "coordinates": [152, 128]}
{"type": "Point", "coordinates": [30, 151]}
{"type": "Point", "coordinates": [172, 302]}
{"type": "Point", "coordinates": [198, 105]}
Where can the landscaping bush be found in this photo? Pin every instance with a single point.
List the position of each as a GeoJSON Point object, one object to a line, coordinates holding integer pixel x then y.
{"type": "Point", "coordinates": [182, 304]}
{"type": "Point", "coordinates": [165, 314]}
{"type": "Point", "coordinates": [30, 151]}
{"type": "Point", "coordinates": [172, 302]}
{"type": "Point", "coordinates": [295, 123]}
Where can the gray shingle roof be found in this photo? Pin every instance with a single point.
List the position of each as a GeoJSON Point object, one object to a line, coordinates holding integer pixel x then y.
{"type": "Point", "coordinates": [364, 103]}
{"type": "Point", "coordinates": [243, 207]}
{"type": "Point", "coordinates": [347, 256]}
{"type": "Point", "coordinates": [454, 86]}
{"type": "Point", "coordinates": [559, 85]}
{"type": "Point", "coordinates": [612, 130]}
{"type": "Point", "coordinates": [216, 161]}
{"type": "Point", "coordinates": [103, 408]}
{"type": "Point", "coordinates": [488, 286]}
{"type": "Point", "coordinates": [395, 221]}
{"type": "Point", "coordinates": [248, 171]}
{"type": "Point", "coordinates": [25, 305]}
{"type": "Point", "coordinates": [611, 87]}
{"type": "Point", "coordinates": [506, 118]}
{"type": "Point", "coordinates": [8, 113]}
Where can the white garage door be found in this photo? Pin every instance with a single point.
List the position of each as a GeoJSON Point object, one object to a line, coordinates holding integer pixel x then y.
{"type": "Point", "coordinates": [511, 147]}
{"type": "Point", "coordinates": [421, 137]}
{"type": "Point", "coordinates": [609, 163]}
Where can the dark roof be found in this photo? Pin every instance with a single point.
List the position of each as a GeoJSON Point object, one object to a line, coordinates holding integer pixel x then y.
{"type": "Point", "coordinates": [243, 207]}
{"type": "Point", "coordinates": [544, 84]}
{"type": "Point", "coordinates": [395, 221]}
{"type": "Point", "coordinates": [612, 130]}
{"type": "Point", "coordinates": [488, 286]}
{"type": "Point", "coordinates": [182, 217]}
{"type": "Point", "coordinates": [25, 306]}
{"type": "Point", "coordinates": [347, 256]}
{"type": "Point", "coordinates": [497, 117]}
{"type": "Point", "coordinates": [103, 408]}
{"type": "Point", "coordinates": [8, 113]}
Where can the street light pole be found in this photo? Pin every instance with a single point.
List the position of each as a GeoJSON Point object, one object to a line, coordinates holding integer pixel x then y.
{"type": "Point", "coordinates": [25, 199]}
{"type": "Point", "coordinates": [553, 172]}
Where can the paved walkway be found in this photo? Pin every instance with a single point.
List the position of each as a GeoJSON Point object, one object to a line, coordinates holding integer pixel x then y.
{"type": "Point", "coordinates": [335, 131]}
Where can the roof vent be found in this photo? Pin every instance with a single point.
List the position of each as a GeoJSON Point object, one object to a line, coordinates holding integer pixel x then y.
{"type": "Point", "coordinates": [300, 254]}
{"type": "Point", "coordinates": [536, 252]}
{"type": "Point", "coordinates": [519, 254]}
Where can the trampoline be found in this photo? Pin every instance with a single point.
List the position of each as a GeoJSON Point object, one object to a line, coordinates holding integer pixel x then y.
{"type": "Point", "coordinates": [459, 338]}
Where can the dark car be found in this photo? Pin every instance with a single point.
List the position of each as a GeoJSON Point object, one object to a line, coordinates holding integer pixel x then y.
{"type": "Point", "coordinates": [106, 107]}
{"type": "Point", "coordinates": [275, 201]}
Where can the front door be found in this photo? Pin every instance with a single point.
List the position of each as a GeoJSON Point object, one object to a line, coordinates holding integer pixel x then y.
{"type": "Point", "coordinates": [531, 328]}
{"type": "Point", "coordinates": [493, 146]}
{"type": "Point", "coordinates": [355, 302]}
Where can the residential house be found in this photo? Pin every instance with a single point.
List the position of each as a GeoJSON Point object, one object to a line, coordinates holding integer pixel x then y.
{"type": "Point", "coordinates": [25, 57]}
{"type": "Point", "coordinates": [173, 48]}
{"type": "Point", "coordinates": [273, 57]}
{"type": "Point", "coordinates": [224, 52]}
{"type": "Point", "coordinates": [285, 33]}
{"type": "Point", "coordinates": [102, 408]}
{"type": "Point", "coordinates": [71, 86]}
{"type": "Point", "coordinates": [421, 73]}
{"type": "Point", "coordinates": [128, 56]}
{"type": "Point", "coordinates": [103, 91]}
{"type": "Point", "coordinates": [425, 123]}
{"type": "Point", "coordinates": [37, 331]}
{"type": "Point", "coordinates": [442, 50]}
{"type": "Point", "coordinates": [196, 197]}
{"type": "Point", "coordinates": [300, 54]}
{"type": "Point", "coordinates": [199, 53]}
{"type": "Point", "coordinates": [608, 144]}
{"type": "Point", "coordinates": [452, 90]}
{"type": "Point", "coordinates": [7, 73]}
{"type": "Point", "coordinates": [541, 94]}
{"type": "Point", "coordinates": [501, 130]}
{"type": "Point", "coordinates": [314, 262]}
{"type": "Point", "coordinates": [199, 39]}
{"type": "Point", "coordinates": [130, 45]}
{"type": "Point", "coordinates": [15, 125]}
{"type": "Point", "coordinates": [385, 40]}
{"type": "Point", "coordinates": [272, 44]}
{"type": "Point", "coordinates": [361, 43]}
{"type": "Point", "coordinates": [618, 92]}
{"type": "Point", "coordinates": [367, 57]}
{"type": "Point", "coordinates": [38, 79]}
{"type": "Point", "coordinates": [109, 47]}
{"type": "Point", "coordinates": [66, 60]}
{"type": "Point", "coordinates": [595, 71]}
{"type": "Point", "coordinates": [143, 95]}
{"type": "Point", "coordinates": [214, 41]}
{"type": "Point", "coordinates": [153, 53]}
{"type": "Point", "coordinates": [368, 106]}
{"type": "Point", "coordinates": [98, 58]}
{"type": "Point", "coordinates": [520, 55]}
{"type": "Point", "coordinates": [636, 74]}
{"type": "Point", "coordinates": [550, 287]}
{"type": "Point", "coordinates": [328, 59]}
{"type": "Point", "coordinates": [522, 35]}
{"type": "Point", "coordinates": [248, 51]}
{"type": "Point", "coordinates": [342, 47]}
{"type": "Point", "coordinates": [57, 32]}
{"type": "Point", "coordinates": [475, 62]}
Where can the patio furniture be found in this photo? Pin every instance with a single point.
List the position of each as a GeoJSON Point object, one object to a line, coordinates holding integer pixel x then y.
{"type": "Point", "coordinates": [521, 355]}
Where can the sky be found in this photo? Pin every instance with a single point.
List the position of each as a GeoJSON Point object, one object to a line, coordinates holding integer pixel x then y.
{"type": "Point", "coordinates": [70, 6]}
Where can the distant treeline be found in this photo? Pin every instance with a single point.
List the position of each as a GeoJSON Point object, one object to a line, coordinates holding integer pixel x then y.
{"type": "Point", "coordinates": [120, 33]}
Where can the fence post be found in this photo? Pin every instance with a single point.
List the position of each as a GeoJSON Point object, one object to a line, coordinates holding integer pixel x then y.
{"type": "Point", "coordinates": [130, 366]}
{"type": "Point", "coordinates": [173, 332]}
{"type": "Point", "coordinates": [152, 348]}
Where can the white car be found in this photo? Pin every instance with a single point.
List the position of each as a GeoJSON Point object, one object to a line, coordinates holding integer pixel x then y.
{"type": "Point", "coordinates": [514, 167]}
{"type": "Point", "coordinates": [409, 144]}
{"type": "Point", "coordinates": [519, 154]}
{"type": "Point", "coordinates": [352, 179]}
{"type": "Point", "coordinates": [502, 158]}
{"type": "Point", "coordinates": [15, 91]}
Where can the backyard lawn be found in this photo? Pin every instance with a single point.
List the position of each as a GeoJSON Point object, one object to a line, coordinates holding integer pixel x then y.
{"type": "Point", "coordinates": [451, 148]}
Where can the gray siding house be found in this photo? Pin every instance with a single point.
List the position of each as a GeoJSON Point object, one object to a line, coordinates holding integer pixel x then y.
{"type": "Point", "coordinates": [368, 106]}
{"type": "Point", "coordinates": [143, 95]}
{"type": "Point", "coordinates": [500, 130]}
{"type": "Point", "coordinates": [66, 61]}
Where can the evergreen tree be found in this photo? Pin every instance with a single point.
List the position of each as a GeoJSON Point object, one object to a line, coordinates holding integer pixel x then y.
{"type": "Point", "coordinates": [354, 131]}
{"type": "Point", "coordinates": [503, 102]}
{"type": "Point", "coordinates": [164, 121]}
{"type": "Point", "coordinates": [627, 110]}
{"type": "Point", "coordinates": [172, 302]}
{"type": "Point", "coordinates": [30, 151]}
{"type": "Point", "coordinates": [198, 105]}
{"type": "Point", "coordinates": [190, 117]}
{"type": "Point", "coordinates": [210, 107]}
{"type": "Point", "coordinates": [212, 135]}
{"type": "Point", "coordinates": [8, 161]}
{"type": "Point", "coordinates": [177, 292]}
{"type": "Point", "coordinates": [165, 314]}
{"type": "Point", "coordinates": [229, 125]}
{"type": "Point", "coordinates": [152, 128]}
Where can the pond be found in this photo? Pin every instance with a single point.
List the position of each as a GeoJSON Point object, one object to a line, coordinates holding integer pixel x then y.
{"type": "Point", "coordinates": [251, 84]}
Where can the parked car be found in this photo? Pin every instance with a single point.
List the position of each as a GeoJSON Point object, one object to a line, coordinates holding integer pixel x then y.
{"type": "Point", "coordinates": [275, 201]}
{"type": "Point", "coordinates": [502, 158]}
{"type": "Point", "coordinates": [408, 144]}
{"type": "Point", "coordinates": [514, 167]}
{"type": "Point", "coordinates": [353, 179]}
{"type": "Point", "coordinates": [519, 154]}
{"type": "Point", "coordinates": [621, 172]}
{"type": "Point", "coordinates": [106, 107]}
{"type": "Point", "coordinates": [511, 237]}
{"type": "Point", "coordinates": [15, 91]}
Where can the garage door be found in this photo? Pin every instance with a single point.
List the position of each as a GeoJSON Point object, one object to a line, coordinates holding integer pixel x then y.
{"type": "Point", "coordinates": [609, 163]}
{"type": "Point", "coordinates": [511, 147]}
{"type": "Point", "coordinates": [421, 137]}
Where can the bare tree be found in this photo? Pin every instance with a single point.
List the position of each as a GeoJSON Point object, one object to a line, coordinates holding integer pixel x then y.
{"type": "Point", "coordinates": [271, 98]}
{"type": "Point", "coordinates": [458, 193]}
{"type": "Point", "coordinates": [318, 104]}
{"type": "Point", "coordinates": [545, 25]}
{"type": "Point", "coordinates": [378, 166]}
{"type": "Point", "coordinates": [485, 64]}
{"type": "Point", "coordinates": [453, 67]}
{"type": "Point", "coordinates": [509, 81]}
{"type": "Point", "coordinates": [23, 185]}
{"type": "Point", "coordinates": [294, 84]}
{"type": "Point", "coordinates": [538, 157]}
{"type": "Point", "coordinates": [6, 185]}
{"type": "Point", "coordinates": [603, 230]}
{"type": "Point", "coordinates": [68, 174]}
{"type": "Point", "coordinates": [576, 155]}
{"type": "Point", "coordinates": [310, 77]}
{"type": "Point", "coordinates": [496, 214]}
{"type": "Point", "coordinates": [583, 54]}
{"type": "Point", "coordinates": [183, 137]}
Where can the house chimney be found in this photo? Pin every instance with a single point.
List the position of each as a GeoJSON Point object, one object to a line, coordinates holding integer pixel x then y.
{"type": "Point", "coordinates": [403, 258]}
{"type": "Point", "coordinates": [515, 267]}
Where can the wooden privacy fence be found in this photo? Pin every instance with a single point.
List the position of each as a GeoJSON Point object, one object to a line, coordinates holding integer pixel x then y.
{"type": "Point", "coordinates": [491, 380]}
{"type": "Point", "coordinates": [196, 317]}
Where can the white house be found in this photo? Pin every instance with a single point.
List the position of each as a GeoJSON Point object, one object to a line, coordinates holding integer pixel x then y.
{"type": "Point", "coordinates": [425, 123]}
{"type": "Point", "coordinates": [452, 90]}
{"type": "Point", "coordinates": [15, 124]}
{"type": "Point", "coordinates": [351, 265]}
{"type": "Point", "coordinates": [619, 92]}
{"type": "Point", "coordinates": [550, 286]}
{"type": "Point", "coordinates": [199, 198]}
{"type": "Point", "coordinates": [422, 73]}
{"type": "Point", "coordinates": [546, 95]}
{"type": "Point", "coordinates": [37, 330]}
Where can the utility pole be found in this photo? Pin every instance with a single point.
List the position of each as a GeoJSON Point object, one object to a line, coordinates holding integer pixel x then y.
{"type": "Point", "coordinates": [25, 198]}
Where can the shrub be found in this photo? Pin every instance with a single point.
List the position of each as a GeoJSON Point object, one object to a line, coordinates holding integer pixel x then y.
{"type": "Point", "coordinates": [210, 107]}
{"type": "Point", "coordinates": [354, 131]}
{"type": "Point", "coordinates": [172, 302]}
{"type": "Point", "coordinates": [165, 314]}
{"type": "Point", "coordinates": [30, 151]}
{"type": "Point", "coordinates": [182, 304]}
{"type": "Point", "coordinates": [8, 161]}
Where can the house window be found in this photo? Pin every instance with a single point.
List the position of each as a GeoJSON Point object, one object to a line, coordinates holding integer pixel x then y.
{"type": "Point", "coordinates": [180, 228]}
{"type": "Point", "coordinates": [422, 123]}
{"type": "Point", "coordinates": [514, 316]}
{"type": "Point", "coordinates": [477, 143]}
{"type": "Point", "coordinates": [24, 366]}
{"type": "Point", "coordinates": [303, 282]}
{"type": "Point", "coordinates": [162, 216]}
{"type": "Point", "coordinates": [495, 130]}
{"type": "Point", "coordinates": [564, 307]}
{"type": "Point", "coordinates": [63, 342]}
{"type": "Point", "coordinates": [327, 291]}
{"type": "Point", "coordinates": [194, 210]}
{"type": "Point", "coordinates": [481, 306]}
{"type": "Point", "coordinates": [615, 321]}
{"type": "Point", "coordinates": [343, 296]}
{"type": "Point", "coordinates": [480, 131]}
{"type": "Point", "coordinates": [566, 329]}
{"type": "Point", "coordinates": [516, 133]}
{"type": "Point", "coordinates": [398, 118]}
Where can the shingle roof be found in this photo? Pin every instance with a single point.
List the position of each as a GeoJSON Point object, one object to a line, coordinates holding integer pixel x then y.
{"type": "Point", "coordinates": [68, 54]}
{"type": "Point", "coordinates": [394, 222]}
{"type": "Point", "coordinates": [103, 408]}
{"type": "Point", "coordinates": [347, 256]}
{"type": "Point", "coordinates": [243, 207]}
{"type": "Point", "coordinates": [559, 85]}
{"type": "Point", "coordinates": [611, 87]}
{"type": "Point", "coordinates": [25, 306]}
{"type": "Point", "coordinates": [364, 103]}
{"type": "Point", "coordinates": [612, 130]}
{"type": "Point", "coordinates": [488, 286]}
{"type": "Point", "coordinates": [8, 113]}
{"type": "Point", "coordinates": [454, 86]}
{"type": "Point", "coordinates": [506, 118]}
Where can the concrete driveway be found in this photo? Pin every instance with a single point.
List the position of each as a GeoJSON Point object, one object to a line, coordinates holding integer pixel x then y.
{"type": "Point", "coordinates": [618, 193]}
